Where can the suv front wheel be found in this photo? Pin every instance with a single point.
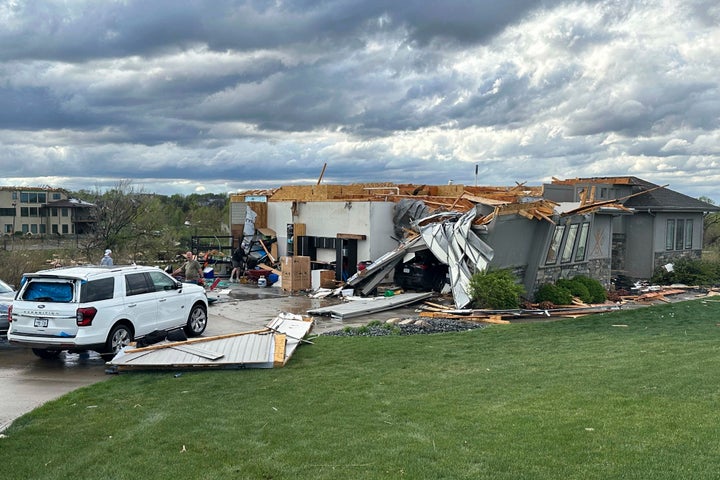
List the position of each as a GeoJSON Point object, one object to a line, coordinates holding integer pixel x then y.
{"type": "Point", "coordinates": [197, 321]}
{"type": "Point", "coordinates": [119, 337]}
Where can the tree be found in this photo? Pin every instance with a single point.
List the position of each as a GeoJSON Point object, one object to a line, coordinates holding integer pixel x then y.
{"type": "Point", "coordinates": [116, 211]}
{"type": "Point", "coordinates": [711, 227]}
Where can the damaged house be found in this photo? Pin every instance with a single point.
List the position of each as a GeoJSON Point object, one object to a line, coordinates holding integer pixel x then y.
{"type": "Point", "coordinates": [597, 227]}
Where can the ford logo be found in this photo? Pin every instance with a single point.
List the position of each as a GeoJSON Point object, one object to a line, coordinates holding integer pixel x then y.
{"type": "Point", "coordinates": [41, 306]}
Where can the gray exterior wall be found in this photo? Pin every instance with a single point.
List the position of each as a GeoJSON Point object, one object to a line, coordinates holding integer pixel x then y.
{"type": "Point", "coordinates": [598, 256]}
{"type": "Point", "coordinates": [522, 245]}
{"type": "Point", "coordinates": [640, 242]}
{"type": "Point", "coordinates": [639, 239]}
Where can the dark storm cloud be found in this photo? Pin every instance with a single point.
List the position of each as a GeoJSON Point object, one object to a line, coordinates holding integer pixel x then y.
{"type": "Point", "coordinates": [256, 92]}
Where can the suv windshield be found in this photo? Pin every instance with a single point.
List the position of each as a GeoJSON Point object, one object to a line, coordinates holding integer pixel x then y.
{"type": "Point", "coordinates": [40, 291]}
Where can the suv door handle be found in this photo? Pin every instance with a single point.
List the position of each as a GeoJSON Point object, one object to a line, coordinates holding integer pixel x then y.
{"type": "Point", "coordinates": [132, 305]}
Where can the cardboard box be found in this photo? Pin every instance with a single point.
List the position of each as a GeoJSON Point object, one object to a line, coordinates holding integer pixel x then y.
{"type": "Point", "coordinates": [295, 273]}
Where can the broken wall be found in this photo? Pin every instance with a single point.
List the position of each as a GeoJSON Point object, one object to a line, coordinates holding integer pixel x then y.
{"type": "Point", "coordinates": [330, 218]}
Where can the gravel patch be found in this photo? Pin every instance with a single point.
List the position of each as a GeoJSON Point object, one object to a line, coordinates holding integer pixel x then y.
{"type": "Point", "coordinates": [406, 327]}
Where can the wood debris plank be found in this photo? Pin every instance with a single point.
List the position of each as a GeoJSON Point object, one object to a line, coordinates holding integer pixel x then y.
{"type": "Point", "coordinates": [473, 318]}
{"type": "Point", "coordinates": [279, 351]}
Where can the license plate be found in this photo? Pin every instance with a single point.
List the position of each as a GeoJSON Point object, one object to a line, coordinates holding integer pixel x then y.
{"type": "Point", "coordinates": [41, 322]}
{"type": "Point", "coordinates": [406, 270]}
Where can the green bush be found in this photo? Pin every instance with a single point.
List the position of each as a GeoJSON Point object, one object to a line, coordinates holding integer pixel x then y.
{"type": "Point", "coordinates": [550, 292]}
{"type": "Point", "coordinates": [595, 288]}
{"type": "Point", "coordinates": [576, 288]}
{"type": "Point", "coordinates": [496, 289]}
{"type": "Point", "coordinates": [688, 271]}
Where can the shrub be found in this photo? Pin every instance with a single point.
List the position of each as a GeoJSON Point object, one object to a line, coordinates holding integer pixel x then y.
{"type": "Point", "coordinates": [595, 288]}
{"type": "Point", "coordinates": [550, 292]}
{"type": "Point", "coordinates": [496, 289]}
{"type": "Point", "coordinates": [576, 288]}
{"type": "Point", "coordinates": [689, 271]}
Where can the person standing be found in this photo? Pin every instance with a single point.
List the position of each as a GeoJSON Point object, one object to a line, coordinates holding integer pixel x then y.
{"type": "Point", "coordinates": [107, 260]}
{"type": "Point", "coordinates": [237, 264]}
{"type": "Point", "coordinates": [191, 269]}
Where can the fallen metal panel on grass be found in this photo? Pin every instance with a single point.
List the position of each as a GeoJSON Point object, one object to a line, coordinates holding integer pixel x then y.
{"type": "Point", "coordinates": [266, 348]}
{"type": "Point", "coordinates": [357, 308]}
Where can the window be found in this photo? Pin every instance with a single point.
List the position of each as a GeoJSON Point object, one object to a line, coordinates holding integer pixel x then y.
{"type": "Point", "coordinates": [7, 212]}
{"type": "Point", "coordinates": [64, 212]}
{"type": "Point", "coordinates": [64, 229]}
{"type": "Point", "coordinates": [33, 197]}
{"type": "Point", "coordinates": [670, 235]}
{"type": "Point", "coordinates": [56, 196]}
{"type": "Point", "coordinates": [54, 228]}
{"type": "Point", "coordinates": [555, 245]}
{"type": "Point", "coordinates": [42, 291]}
{"type": "Point", "coordinates": [54, 211]}
{"type": "Point", "coordinates": [569, 243]}
{"type": "Point", "coordinates": [582, 242]}
{"type": "Point", "coordinates": [43, 228]}
{"type": "Point", "coordinates": [8, 228]}
{"type": "Point", "coordinates": [137, 284]}
{"type": "Point", "coordinates": [162, 282]}
{"type": "Point", "coordinates": [679, 234]}
{"type": "Point", "coordinates": [688, 233]}
{"type": "Point", "coordinates": [25, 228]}
{"type": "Point", "coordinates": [33, 229]}
{"type": "Point", "coordinates": [97, 290]}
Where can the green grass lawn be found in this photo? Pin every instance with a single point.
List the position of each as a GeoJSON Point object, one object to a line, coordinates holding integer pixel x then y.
{"type": "Point", "coordinates": [631, 394]}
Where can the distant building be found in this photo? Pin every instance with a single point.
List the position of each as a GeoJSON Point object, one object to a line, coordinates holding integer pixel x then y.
{"type": "Point", "coordinates": [43, 211]}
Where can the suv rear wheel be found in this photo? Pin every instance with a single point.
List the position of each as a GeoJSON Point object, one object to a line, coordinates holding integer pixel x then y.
{"type": "Point", "coordinates": [197, 321]}
{"type": "Point", "coordinates": [120, 336]}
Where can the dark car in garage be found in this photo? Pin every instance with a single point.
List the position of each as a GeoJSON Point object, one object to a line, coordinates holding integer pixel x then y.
{"type": "Point", "coordinates": [424, 272]}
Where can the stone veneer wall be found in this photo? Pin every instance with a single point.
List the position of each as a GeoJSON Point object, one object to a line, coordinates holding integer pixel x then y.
{"type": "Point", "coordinates": [670, 256]}
{"type": "Point", "coordinates": [618, 251]}
{"type": "Point", "coordinates": [598, 269]}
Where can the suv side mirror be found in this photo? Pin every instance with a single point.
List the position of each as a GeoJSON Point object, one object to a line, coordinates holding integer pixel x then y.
{"type": "Point", "coordinates": [178, 284]}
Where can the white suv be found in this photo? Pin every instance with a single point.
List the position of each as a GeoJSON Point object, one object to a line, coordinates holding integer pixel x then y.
{"type": "Point", "coordinates": [101, 308]}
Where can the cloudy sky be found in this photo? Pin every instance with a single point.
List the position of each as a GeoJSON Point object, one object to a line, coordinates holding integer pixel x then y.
{"type": "Point", "coordinates": [221, 95]}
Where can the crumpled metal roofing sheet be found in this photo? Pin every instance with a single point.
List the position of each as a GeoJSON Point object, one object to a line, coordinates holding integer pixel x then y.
{"type": "Point", "coordinates": [257, 349]}
{"type": "Point", "coordinates": [456, 245]}
{"type": "Point", "coordinates": [356, 308]}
